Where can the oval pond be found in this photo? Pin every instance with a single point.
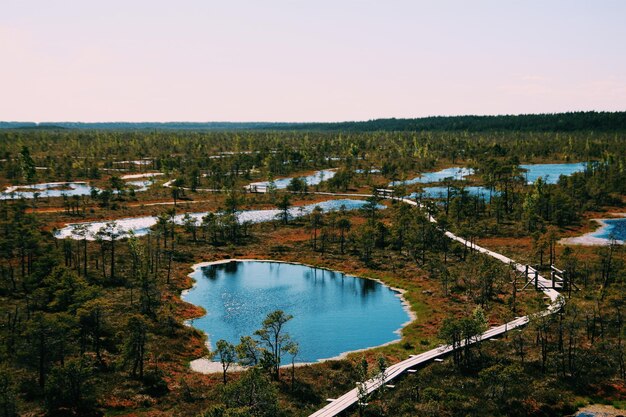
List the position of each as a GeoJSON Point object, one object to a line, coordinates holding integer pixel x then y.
{"type": "Point", "coordinates": [333, 313]}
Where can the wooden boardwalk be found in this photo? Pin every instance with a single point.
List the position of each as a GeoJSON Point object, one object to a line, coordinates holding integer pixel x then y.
{"type": "Point", "coordinates": [556, 301]}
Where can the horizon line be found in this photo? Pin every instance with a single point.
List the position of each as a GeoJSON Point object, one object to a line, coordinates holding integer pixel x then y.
{"type": "Point", "coordinates": [316, 122]}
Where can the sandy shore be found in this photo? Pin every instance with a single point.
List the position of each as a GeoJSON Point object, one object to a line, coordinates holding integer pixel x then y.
{"type": "Point", "coordinates": [591, 239]}
{"type": "Point", "coordinates": [598, 410]}
{"type": "Point", "coordinates": [144, 175]}
{"type": "Point", "coordinates": [207, 366]}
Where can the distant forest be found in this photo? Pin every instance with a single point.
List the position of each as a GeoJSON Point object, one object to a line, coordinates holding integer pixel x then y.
{"type": "Point", "coordinates": [557, 122]}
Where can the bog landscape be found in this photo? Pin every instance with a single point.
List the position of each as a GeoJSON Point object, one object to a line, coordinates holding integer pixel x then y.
{"type": "Point", "coordinates": [443, 266]}
{"type": "Point", "coordinates": [349, 208]}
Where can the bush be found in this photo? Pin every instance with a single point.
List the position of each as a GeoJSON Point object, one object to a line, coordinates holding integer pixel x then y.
{"type": "Point", "coordinates": [69, 387]}
{"type": "Point", "coordinates": [154, 384]}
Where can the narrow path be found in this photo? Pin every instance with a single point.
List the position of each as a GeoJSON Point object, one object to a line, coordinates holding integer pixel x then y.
{"type": "Point", "coordinates": [351, 397]}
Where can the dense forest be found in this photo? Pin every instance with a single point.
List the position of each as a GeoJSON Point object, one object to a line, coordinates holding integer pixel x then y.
{"type": "Point", "coordinates": [97, 326]}
{"type": "Point", "coordinates": [557, 122]}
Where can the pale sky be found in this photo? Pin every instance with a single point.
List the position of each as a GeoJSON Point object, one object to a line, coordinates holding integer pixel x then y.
{"type": "Point", "coordinates": [307, 60]}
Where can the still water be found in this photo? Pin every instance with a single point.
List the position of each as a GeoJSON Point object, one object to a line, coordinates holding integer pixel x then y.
{"type": "Point", "coordinates": [456, 173]}
{"type": "Point", "coordinates": [60, 189]}
{"type": "Point", "coordinates": [333, 313]}
{"type": "Point", "coordinates": [141, 225]}
{"type": "Point", "coordinates": [550, 173]}
{"type": "Point", "coordinates": [49, 189]}
{"type": "Point", "coordinates": [312, 179]}
{"type": "Point", "coordinates": [613, 228]}
{"type": "Point", "coordinates": [442, 192]}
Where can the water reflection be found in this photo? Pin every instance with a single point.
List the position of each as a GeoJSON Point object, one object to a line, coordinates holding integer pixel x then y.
{"type": "Point", "coordinates": [333, 312]}
{"type": "Point", "coordinates": [231, 267]}
{"type": "Point", "coordinates": [550, 173]}
{"type": "Point", "coordinates": [209, 272]}
{"type": "Point", "coordinates": [368, 286]}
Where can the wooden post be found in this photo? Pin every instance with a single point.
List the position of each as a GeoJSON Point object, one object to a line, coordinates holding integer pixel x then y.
{"type": "Point", "coordinates": [536, 279]}
{"type": "Point", "coordinates": [552, 276]}
{"type": "Point", "coordinates": [526, 273]}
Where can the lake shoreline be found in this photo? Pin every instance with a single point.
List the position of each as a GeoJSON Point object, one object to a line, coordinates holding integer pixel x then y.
{"type": "Point", "coordinates": [205, 365]}
{"type": "Point", "coordinates": [591, 238]}
{"type": "Point", "coordinates": [141, 225]}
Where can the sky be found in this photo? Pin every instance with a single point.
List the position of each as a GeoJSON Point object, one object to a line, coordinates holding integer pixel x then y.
{"type": "Point", "coordinates": [315, 60]}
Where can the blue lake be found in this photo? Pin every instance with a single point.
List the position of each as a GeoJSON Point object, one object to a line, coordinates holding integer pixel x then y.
{"type": "Point", "coordinates": [615, 228]}
{"type": "Point", "coordinates": [442, 192]}
{"type": "Point", "coordinates": [550, 173]}
{"type": "Point", "coordinates": [456, 173]}
{"type": "Point", "coordinates": [333, 313]}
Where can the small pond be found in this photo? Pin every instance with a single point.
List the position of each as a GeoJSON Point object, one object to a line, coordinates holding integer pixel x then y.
{"type": "Point", "coordinates": [456, 173]}
{"type": "Point", "coordinates": [332, 313]}
{"type": "Point", "coordinates": [60, 189]}
{"type": "Point", "coordinates": [613, 228]}
{"type": "Point", "coordinates": [141, 225]}
{"type": "Point", "coordinates": [312, 179]}
{"type": "Point", "coordinates": [442, 192]}
{"type": "Point", "coordinates": [550, 173]}
{"type": "Point", "coordinates": [49, 189]}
